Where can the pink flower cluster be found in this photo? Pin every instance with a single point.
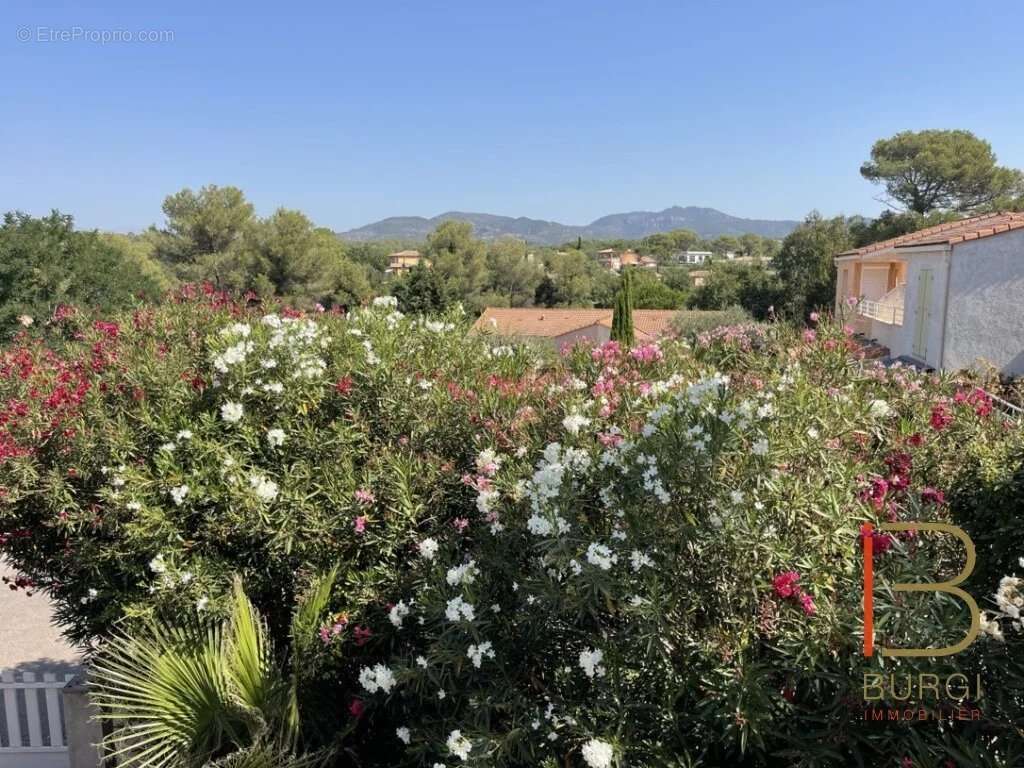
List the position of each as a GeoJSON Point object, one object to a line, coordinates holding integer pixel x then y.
{"type": "Point", "coordinates": [787, 586]}
{"type": "Point", "coordinates": [647, 353]}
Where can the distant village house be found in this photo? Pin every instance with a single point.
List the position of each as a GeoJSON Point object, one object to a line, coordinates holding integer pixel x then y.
{"type": "Point", "coordinates": [401, 262]}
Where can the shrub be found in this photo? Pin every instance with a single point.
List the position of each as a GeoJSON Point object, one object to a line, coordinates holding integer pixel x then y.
{"type": "Point", "coordinates": [689, 323]}
{"type": "Point", "coordinates": [620, 557]}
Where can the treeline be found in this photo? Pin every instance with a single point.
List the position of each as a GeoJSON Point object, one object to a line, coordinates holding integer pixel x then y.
{"type": "Point", "coordinates": [214, 236]}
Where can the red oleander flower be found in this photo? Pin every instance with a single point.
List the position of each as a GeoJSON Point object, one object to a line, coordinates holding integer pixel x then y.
{"type": "Point", "coordinates": [785, 583]}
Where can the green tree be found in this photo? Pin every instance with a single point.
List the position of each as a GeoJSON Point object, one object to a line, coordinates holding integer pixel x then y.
{"type": "Point", "coordinates": [203, 236]}
{"type": "Point", "coordinates": [622, 316]}
{"type": "Point", "coordinates": [422, 291]}
{"type": "Point", "coordinates": [725, 244]}
{"type": "Point", "coordinates": [939, 170]}
{"type": "Point", "coordinates": [45, 262]}
{"type": "Point", "coordinates": [751, 245]}
{"type": "Point", "coordinates": [546, 293]}
{"type": "Point", "coordinates": [805, 265]}
{"type": "Point", "coordinates": [459, 260]}
{"type": "Point", "coordinates": [287, 256]}
{"type": "Point", "coordinates": [511, 273]}
{"type": "Point", "coordinates": [140, 252]}
{"type": "Point", "coordinates": [647, 291]}
{"type": "Point", "coordinates": [572, 274]}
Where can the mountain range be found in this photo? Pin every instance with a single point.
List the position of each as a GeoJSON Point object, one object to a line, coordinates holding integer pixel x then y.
{"type": "Point", "coordinates": [706, 222]}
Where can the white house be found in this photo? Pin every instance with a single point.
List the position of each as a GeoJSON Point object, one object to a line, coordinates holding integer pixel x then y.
{"type": "Point", "coordinates": [949, 296]}
{"type": "Point", "coordinates": [693, 257]}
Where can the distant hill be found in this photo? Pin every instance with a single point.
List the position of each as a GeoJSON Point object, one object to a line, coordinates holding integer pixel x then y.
{"type": "Point", "coordinates": [706, 222]}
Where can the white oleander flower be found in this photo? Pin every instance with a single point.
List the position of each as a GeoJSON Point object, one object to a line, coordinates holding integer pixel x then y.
{"type": "Point", "coordinates": [598, 754]}
{"type": "Point", "coordinates": [601, 556]}
{"type": "Point", "coordinates": [403, 734]}
{"type": "Point", "coordinates": [179, 493]}
{"type": "Point", "coordinates": [398, 613]}
{"type": "Point", "coordinates": [265, 488]}
{"type": "Point", "coordinates": [476, 653]}
{"type": "Point", "coordinates": [574, 422]}
{"type": "Point", "coordinates": [879, 409]}
{"type": "Point", "coordinates": [377, 678]}
{"type": "Point", "coordinates": [428, 548]}
{"type": "Point", "coordinates": [459, 745]}
{"type": "Point", "coordinates": [231, 412]}
{"type": "Point", "coordinates": [275, 437]}
{"type": "Point", "coordinates": [458, 609]}
{"type": "Point", "coordinates": [590, 662]}
{"type": "Point", "coordinates": [463, 574]}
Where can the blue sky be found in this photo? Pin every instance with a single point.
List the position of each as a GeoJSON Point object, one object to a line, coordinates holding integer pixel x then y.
{"type": "Point", "coordinates": [559, 110]}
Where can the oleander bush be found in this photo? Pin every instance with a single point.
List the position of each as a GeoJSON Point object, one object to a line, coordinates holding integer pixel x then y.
{"type": "Point", "coordinates": [611, 557]}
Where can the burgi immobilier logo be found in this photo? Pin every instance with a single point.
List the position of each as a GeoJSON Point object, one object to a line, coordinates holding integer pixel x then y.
{"type": "Point", "coordinates": [904, 688]}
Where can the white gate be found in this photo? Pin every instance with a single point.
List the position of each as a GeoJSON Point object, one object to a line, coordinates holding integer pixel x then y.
{"type": "Point", "coordinates": [32, 733]}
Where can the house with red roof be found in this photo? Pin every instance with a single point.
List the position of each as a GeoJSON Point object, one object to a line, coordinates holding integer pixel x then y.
{"type": "Point", "coordinates": [569, 326]}
{"type": "Point", "coordinates": [948, 297]}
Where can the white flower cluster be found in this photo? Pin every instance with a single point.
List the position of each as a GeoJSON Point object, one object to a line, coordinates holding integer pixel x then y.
{"type": "Point", "coordinates": [574, 422]}
{"type": "Point", "coordinates": [590, 662]}
{"type": "Point", "coordinates": [179, 493]}
{"type": "Point", "coordinates": [377, 678]}
{"type": "Point", "coordinates": [598, 754]}
{"type": "Point", "coordinates": [236, 353]}
{"type": "Point", "coordinates": [459, 745]}
{"type": "Point", "coordinates": [463, 574]}
{"type": "Point", "coordinates": [546, 485]}
{"type": "Point", "coordinates": [458, 609]}
{"type": "Point", "coordinates": [1010, 599]}
{"type": "Point", "coordinates": [299, 341]}
{"type": "Point", "coordinates": [601, 556]}
{"type": "Point", "coordinates": [428, 548]}
{"type": "Point", "coordinates": [476, 653]}
{"type": "Point", "coordinates": [265, 489]}
{"type": "Point", "coordinates": [398, 613]}
{"type": "Point", "coordinates": [232, 412]}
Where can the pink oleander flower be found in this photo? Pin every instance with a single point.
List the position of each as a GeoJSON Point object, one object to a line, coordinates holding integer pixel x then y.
{"type": "Point", "coordinates": [460, 524]}
{"type": "Point", "coordinates": [807, 604]}
{"type": "Point", "coordinates": [786, 583]}
{"type": "Point", "coordinates": [647, 353]}
{"type": "Point", "coordinates": [359, 524]}
{"type": "Point", "coordinates": [934, 496]}
{"type": "Point", "coordinates": [880, 542]}
{"type": "Point", "coordinates": [362, 635]}
{"type": "Point", "coordinates": [364, 496]}
{"type": "Point", "coordinates": [356, 708]}
{"type": "Point", "coordinates": [941, 417]}
{"type": "Point", "coordinates": [814, 317]}
{"type": "Point", "coordinates": [606, 353]}
{"type": "Point", "coordinates": [809, 336]}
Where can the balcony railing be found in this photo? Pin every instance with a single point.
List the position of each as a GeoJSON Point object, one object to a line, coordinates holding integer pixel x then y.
{"type": "Point", "coordinates": [888, 309]}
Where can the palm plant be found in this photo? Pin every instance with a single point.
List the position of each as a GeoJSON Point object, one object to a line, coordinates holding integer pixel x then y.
{"type": "Point", "coordinates": [191, 695]}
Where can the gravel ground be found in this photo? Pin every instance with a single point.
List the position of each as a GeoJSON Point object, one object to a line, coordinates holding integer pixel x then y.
{"type": "Point", "coordinates": [28, 637]}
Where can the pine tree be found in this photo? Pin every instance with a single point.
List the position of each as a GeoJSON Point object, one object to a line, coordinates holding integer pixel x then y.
{"type": "Point", "coordinates": [622, 315]}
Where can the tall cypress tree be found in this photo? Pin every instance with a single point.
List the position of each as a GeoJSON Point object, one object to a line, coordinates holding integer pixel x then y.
{"type": "Point", "coordinates": [622, 314]}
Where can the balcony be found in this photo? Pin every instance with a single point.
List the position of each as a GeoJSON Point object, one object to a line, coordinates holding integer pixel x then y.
{"type": "Point", "coordinates": [888, 309]}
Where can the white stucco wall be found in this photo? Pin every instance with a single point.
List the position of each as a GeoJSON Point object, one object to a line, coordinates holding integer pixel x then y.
{"type": "Point", "coordinates": [900, 338]}
{"type": "Point", "coordinates": [986, 296]}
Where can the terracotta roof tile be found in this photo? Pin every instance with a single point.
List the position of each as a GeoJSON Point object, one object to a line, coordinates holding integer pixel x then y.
{"type": "Point", "coordinates": [549, 323]}
{"type": "Point", "coordinates": [950, 233]}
